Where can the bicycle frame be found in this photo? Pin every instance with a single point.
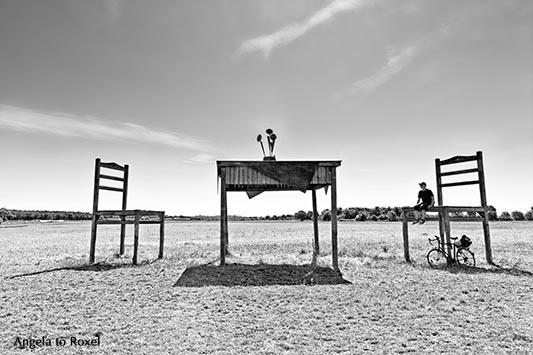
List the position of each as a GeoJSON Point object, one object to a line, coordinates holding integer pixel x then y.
{"type": "Point", "coordinates": [442, 246]}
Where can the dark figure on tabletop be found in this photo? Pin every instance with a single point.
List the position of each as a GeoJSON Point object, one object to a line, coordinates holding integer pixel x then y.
{"type": "Point", "coordinates": [425, 200]}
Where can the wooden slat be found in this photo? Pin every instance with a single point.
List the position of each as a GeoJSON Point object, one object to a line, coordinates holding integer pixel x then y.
{"type": "Point", "coordinates": [334, 228]}
{"type": "Point", "coordinates": [458, 159]}
{"type": "Point", "coordinates": [316, 176]}
{"type": "Point", "coordinates": [110, 188]}
{"type": "Point", "coordinates": [113, 166]}
{"type": "Point", "coordinates": [447, 230]}
{"type": "Point", "coordinates": [110, 177]}
{"type": "Point", "coordinates": [323, 177]}
{"type": "Point", "coordinates": [457, 172]}
{"type": "Point", "coordinates": [122, 236]}
{"type": "Point", "coordinates": [161, 235]}
{"type": "Point", "coordinates": [316, 242]}
{"type": "Point", "coordinates": [317, 186]}
{"type": "Point", "coordinates": [255, 175]}
{"type": "Point", "coordinates": [465, 208]}
{"type": "Point", "coordinates": [226, 175]}
{"type": "Point", "coordinates": [263, 179]}
{"type": "Point", "coordinates": [481, 177]}
{"type": "Point", "coordinates": [150, 222]}
{"type": "Point", "coordinates": [114, 221]}
{"type": "Point", "coordinates": [249, 176]}
{"type": "Point", "coordinates": [223, 222]}
{"type": "Point", "coordinates": [405, 233]}
{"type": "Point", "coordinates": [269, 187]}
{"type": "Point", "coordinates": [233, 163]}
{"type": "Point", "coordinates": [231, 179]}
{"type": "Point", "coordinates": [482, 191]}
{"type": "Point", "coordinates": [449, 208]}
{"type": "Point", "coordinates": [245, 174]}
{"type": "Point", "coordinates": [127, 212]}
{"type": "Point", "coordinates": [320, 176]}
{"type": "Point", "coordinates": [461, 183]}
{"type": "Point", "coordinates": [135, 239]}
{"type": "Point", "coordinates": [439, 182]}
{"type": "Point", "coordinates": [125, 187]}
{"type": "Point", "coordinates": [128, 221]}
{"type": "Point", "coordinates": [95, 208]}
{"type": "Point", "coordinates": [242, 174]}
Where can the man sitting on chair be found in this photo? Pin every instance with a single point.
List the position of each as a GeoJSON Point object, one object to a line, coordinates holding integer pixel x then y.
{"type": "Point", "coordinates": [428, 200]}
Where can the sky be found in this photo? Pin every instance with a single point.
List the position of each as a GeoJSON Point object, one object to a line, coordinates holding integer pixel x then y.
{"type": "Point", "coordinates": [170, 87]}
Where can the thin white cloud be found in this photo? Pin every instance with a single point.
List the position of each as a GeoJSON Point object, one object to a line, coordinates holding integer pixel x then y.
{"type": "Point", "coordinates": [289, 33]}
{"type": "Point", "coordinates": [200, 159]}
{"type": "Point", "coordinates": [65, 125]}
{"type": "Point", "coordinates": [397, 60]}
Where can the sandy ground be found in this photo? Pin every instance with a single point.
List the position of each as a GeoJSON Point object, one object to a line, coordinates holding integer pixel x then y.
{"type": "Point", "coordinates": [268, 300]}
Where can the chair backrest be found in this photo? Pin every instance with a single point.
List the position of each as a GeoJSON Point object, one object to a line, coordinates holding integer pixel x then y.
{"type": "Point", "coordinates": [462, 159]}
{"type": "Point", "coordinates": [98, 176]}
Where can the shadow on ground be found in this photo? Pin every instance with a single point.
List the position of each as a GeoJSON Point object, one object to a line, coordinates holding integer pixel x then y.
{"type": "Point", "coordinates": [496, 270]}
{"type": "Point", "coordinates": [88, 267]}
{"type": "Point", "coordinates": [258, 275]}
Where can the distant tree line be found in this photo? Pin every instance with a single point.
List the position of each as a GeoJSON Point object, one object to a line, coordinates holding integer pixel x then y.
{"type": "Point", "coordinates": [394, 213]}
{"type": "Point", "coordinates": [26, 215]}
{"type": "Point", "coordinates": [283, 217]}
{"type": "Point", "coordinates": [359, 214]}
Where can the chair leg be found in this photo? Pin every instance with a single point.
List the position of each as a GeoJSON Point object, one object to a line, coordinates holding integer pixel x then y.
{"type": "Point", "coordinates": [161, 235]}
{"type": "Point", "coordinates": [405, 233]}
{"type": "Point", "coordinates": [122, 236]}
{"type": "Point", "coordinates": [486, 235]}
{"type": "Point", "coordinates": [93, 240]}
{"type": "Point", "coordinates": [136, 239]}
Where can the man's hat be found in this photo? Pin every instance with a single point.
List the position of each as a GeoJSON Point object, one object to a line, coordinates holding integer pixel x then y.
{"type": "Point", "coordinates": [422, 183]}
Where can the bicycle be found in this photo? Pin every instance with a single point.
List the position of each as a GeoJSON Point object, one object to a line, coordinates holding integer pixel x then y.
{"type": "Point", "coordinates": [438, 257]}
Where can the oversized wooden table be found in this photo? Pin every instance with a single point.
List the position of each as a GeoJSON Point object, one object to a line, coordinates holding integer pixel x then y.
{"type": "Point", "coordinates": [255, 177]}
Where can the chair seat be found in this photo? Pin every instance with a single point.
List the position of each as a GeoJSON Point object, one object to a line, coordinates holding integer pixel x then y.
{"type": "Point", "coordinates": [124, 213]}
{"type": "Point", "coordinates": [450, 209]}
{"type": "Point", "coordinates": [406, 211]}
{"type": "Point", "coordinates": [458, 208]}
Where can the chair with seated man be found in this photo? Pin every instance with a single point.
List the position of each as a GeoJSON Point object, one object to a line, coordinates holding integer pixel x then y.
{"type": "Point", "coordinates": [445, 210]}
{"type": "Point", "coordinates": [122, 216]}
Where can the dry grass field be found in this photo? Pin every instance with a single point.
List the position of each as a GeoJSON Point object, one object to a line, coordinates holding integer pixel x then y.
{"type": "Point", "coordinates": [267, 301]}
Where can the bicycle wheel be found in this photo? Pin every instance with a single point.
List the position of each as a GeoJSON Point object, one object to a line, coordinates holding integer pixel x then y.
{"type": "Point", "coordinates": [437, 259]}
{"type": "Point", "coordinates": [465, 258]}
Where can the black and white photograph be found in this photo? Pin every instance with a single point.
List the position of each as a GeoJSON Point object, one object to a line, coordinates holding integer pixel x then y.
{"type": "Point", "coordinates": [266, 177]}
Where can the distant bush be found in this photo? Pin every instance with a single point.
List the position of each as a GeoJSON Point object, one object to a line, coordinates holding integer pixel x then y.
{"type": "Point", "coordinates": [349, 213]}
{"type": "Point", "coordinates": [492, 214]}
{"type": "Point", "coordinates": [360, 217]}
{"type": "Point", "coordinates": [505, 216]}
{"type": "Point", "coordinates": [517, 216]}
{"type": "Point", "coordinates": [300, 215]}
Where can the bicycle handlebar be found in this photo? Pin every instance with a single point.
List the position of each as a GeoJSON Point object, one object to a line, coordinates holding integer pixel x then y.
{"type": "Point", "coordinates": [434, 239]}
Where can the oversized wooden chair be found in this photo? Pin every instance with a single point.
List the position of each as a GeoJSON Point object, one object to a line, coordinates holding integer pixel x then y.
{"type": "Point", "coordinates": [122, 216]}
{"type": "Point", "coordinates": [445, 210]}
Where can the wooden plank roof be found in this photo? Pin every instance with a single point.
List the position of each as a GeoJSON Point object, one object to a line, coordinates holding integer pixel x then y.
{"type": "Point", "coordinates": [258, 176]}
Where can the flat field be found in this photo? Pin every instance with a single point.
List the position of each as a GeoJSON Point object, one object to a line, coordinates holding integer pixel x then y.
{"type": "Point", "coordinates": [267, 301]}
